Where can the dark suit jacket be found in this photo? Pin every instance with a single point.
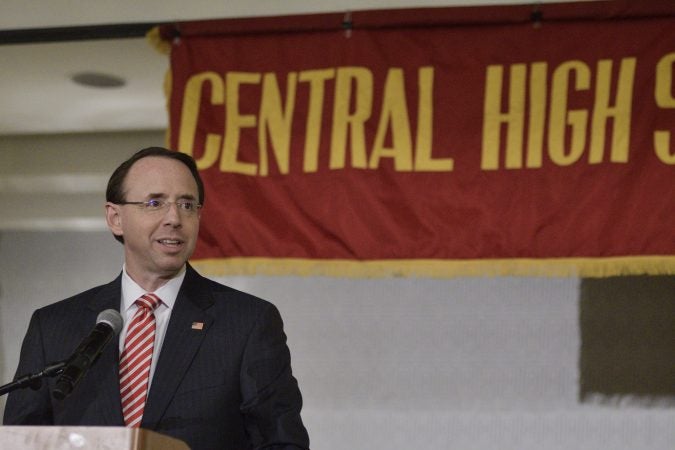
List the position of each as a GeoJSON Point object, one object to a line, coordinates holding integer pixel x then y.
{"type": "Point", "coordinates": [226, 386]}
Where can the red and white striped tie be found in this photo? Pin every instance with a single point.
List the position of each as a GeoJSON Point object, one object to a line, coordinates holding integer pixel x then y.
{"type": "Point", "coordinates": [136, 359]}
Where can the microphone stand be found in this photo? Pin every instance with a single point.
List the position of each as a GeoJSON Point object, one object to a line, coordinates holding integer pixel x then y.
{"type": "Point", "coordinates": [33, 380]}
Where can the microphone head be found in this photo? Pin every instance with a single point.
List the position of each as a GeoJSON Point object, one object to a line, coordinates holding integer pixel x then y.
{"type": "Point", "coordinates": [112, 318]}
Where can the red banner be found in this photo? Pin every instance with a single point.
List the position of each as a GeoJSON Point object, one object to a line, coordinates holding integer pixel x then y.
{"type": "Point", "coordinates": [445, 138]}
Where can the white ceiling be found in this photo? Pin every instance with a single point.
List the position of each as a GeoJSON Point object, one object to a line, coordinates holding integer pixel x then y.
{"type": "Point", "coordinates": [37, 95]}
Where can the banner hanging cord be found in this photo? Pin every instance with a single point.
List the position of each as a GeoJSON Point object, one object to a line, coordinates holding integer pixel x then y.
{"type": "Point", "coordinates": [347, 24]}
{"type": "Point", "coordinates": [537, 15]}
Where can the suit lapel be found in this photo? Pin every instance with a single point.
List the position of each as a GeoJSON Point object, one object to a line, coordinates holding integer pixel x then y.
{"type": "Point", "coordinates": [107, 367]}
{"type": "Point", "coordinates": [180, 345]}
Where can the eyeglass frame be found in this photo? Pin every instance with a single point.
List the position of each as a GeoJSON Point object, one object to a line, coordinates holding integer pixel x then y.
{"type": "Point", "coordinates": [167, 204]}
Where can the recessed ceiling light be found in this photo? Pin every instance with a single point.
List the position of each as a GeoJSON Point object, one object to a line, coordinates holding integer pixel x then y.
{"type": "Point", "coordinates": [98, 80]}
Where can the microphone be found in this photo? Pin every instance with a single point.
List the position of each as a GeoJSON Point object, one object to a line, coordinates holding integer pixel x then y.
{"type": "Point", "coordinates": [108, 324]}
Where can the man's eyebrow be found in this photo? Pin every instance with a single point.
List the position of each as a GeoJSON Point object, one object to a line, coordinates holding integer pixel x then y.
{"type": "Point", "coordinates": [155, 195]}
{"type": "Point", "coordinates": [163, 196]}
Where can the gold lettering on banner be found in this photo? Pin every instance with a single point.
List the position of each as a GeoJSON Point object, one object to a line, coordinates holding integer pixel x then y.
{"type": "Point", "coordinates": [537, 116]}
{"type": "Point", "coordinates": [556, 130]}
{"type": "Point", "coordinates": [394, 117]}
{"type": "Point", "coordinates": [348, 120]}
{"type": "Point", "coordinates": [561, 117]}
{"type": "Point", "coordinates": [235, 121]}
{"type": "Point", "coordinates": [276, 119]}
{"type": "Point", "coordinates": [317, 86]}
{"type": "Point", "coordinates": [352, 109]}
{"type": "Point", "coordinates": [663, 95]}
{"type": "Point", "coordinates": [620, 112]}
{"type": "Point", "coordinates": [424, 162]}
{"type": "Point", "coordinates": [190, 117]}
{"type": "Point", "coordinates": [513, 118]}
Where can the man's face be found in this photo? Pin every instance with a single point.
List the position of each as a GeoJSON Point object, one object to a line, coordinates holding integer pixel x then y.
{"type": "Point", "coordinates": [156, 243]}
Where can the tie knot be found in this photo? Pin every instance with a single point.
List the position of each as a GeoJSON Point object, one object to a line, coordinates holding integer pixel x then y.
{"type": "Point", "coordinates": [150, 301]}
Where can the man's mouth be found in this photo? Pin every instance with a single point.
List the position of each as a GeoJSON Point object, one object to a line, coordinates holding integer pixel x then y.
{"type": "Point", "coordinates": [170, 242]}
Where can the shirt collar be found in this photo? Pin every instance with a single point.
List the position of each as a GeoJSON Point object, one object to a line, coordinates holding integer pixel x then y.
{"type": "Point", "coordinates": [168, 292]}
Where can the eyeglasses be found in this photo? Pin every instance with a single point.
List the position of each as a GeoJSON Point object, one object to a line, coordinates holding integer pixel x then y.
{"type": "Point", "coordinates": [189, 207]}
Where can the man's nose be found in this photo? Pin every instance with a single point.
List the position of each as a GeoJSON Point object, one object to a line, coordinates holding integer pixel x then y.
{"type": "Point", "coordinates": [172, 214]}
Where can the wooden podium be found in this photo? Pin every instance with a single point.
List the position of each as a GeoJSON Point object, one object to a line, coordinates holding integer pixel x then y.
{"type": "Point", "coordinates": [85, 438]}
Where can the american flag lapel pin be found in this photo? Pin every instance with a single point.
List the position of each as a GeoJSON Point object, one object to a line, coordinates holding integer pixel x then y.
{"type": "Point", "coordinates": [197, 325]}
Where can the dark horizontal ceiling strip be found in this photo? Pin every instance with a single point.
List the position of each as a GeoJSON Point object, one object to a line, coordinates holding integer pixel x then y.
{"type": "Point", "coordinates": [78, 33]}
{"type": "Point", "coordinates": [527, 11]}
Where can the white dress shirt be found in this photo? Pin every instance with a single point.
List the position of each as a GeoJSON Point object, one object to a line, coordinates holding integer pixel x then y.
{"type": "Point", "coordinates": [131, 292]}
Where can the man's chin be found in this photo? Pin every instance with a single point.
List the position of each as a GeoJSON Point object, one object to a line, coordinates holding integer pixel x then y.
{"type": "Point", "coordinates": [169, 267]}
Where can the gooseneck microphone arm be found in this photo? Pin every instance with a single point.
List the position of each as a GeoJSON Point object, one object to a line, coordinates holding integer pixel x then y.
{"type": "Point", "coordinates": [33, 380]}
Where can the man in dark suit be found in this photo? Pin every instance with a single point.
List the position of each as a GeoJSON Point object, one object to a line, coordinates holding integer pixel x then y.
{"type": "Point", "coordinates": [217, 371]}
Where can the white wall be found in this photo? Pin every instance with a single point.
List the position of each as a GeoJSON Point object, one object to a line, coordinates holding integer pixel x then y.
{"type": "Point", "coordinates": [469, 363]}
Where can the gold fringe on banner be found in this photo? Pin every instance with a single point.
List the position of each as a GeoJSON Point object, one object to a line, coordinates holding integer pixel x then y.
{"type": "Point", "coordinates": [155, 40]}
{"type": "Point", "coordinates": [168, 79]}
{"type": "Point", "coordinates": [431, 268]}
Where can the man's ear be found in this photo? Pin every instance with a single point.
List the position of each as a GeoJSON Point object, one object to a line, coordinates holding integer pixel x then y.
{"type": "Point", "coordinates": [113, 218]}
